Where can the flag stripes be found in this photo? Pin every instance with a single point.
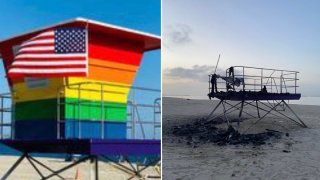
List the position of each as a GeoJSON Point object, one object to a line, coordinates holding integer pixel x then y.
{"type": "Point", "coordinates": [55, 52]}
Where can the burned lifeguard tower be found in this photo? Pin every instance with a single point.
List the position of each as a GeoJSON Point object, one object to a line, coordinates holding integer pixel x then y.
{"type": "Point", "coordinates": [267, 90]}
{"type": "Point", "coordinates": [71, 89]}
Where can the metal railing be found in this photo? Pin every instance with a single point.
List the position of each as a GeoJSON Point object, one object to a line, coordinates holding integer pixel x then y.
{"type": "Point", "coordinates": [136, 124]}
{"type": "Point", "coordinates": [157, 117]}
{"type": "Point", "coordinates": [135, 118]}
{"type": "Point", "coordinates": [6, 120]}
{"type": "Point", "coordinates": [136, 104]}
{"type": "Point", "coordinates": [256, 79]}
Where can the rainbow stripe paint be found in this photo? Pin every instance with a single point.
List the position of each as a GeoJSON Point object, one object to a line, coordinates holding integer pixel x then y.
{"type": "Point", "coordinates": [114, 57]}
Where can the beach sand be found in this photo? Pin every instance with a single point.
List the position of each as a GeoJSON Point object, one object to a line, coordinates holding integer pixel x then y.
{"type": "Point", "coordinates": [25, 171]}
{"type": "Point", "coordinates": [209, 161]}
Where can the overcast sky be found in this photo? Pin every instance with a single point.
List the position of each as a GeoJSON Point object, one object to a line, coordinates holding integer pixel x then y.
{"type": "Point", "coordinates": [266, 33]}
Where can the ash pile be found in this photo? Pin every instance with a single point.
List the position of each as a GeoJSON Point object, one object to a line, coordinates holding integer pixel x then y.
{"type": "Point", "coordinates": [202, 131]}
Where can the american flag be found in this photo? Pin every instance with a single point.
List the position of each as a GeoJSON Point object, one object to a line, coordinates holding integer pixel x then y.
{"type": "Point", "coordinates": [58, 52]}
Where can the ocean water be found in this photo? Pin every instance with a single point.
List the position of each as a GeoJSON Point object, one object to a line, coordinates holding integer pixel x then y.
{"type": "Point", "coordinates": [308, 101]}
{"type": "Point", "coordinates": [315, 101]}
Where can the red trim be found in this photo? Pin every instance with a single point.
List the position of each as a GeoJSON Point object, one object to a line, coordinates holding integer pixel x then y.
{"type": "Point", "coordinates": [120, 45]}
{"type": "Point", "coordinates": [40, 38]}
{"type": "Point", "coordinates": [52, 59]}
{"type": "Point", "coordinates": [22, 75]}
{"type": "Point", "coordinates": [39, 45]}
{"type": "Point", "coordinates": [149, 43]}
{"type": "Point", "coordinates": [50, 67]}
{"type": "Point", "coordinates": [37, 52]}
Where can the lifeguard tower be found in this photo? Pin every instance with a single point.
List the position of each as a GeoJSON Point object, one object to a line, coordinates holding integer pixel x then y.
{"type": "Point", "coordinates": [267, 90]}
{"type": "Point", "coordinates": [71, 90]}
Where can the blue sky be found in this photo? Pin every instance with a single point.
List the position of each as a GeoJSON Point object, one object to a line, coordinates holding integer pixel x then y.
{"type": "Point", "coordinates": [266, 33]}
{"type": "Point", "coordinates": [19, 16]}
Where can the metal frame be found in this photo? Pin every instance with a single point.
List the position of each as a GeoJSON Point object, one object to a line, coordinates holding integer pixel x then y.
{"type": "Point", "coordinates": [277, 81]}
{"type": "Point", "coordinates": [134, 171]}
{"type": "Point", "coordinates": [267, 77]}
{"type": "Point", "coordinates": [94, 159]}
{"type": "Point", "coordinates": [6, 108]}
{"type": "Point", "coordinates": [94, 169]}
{"type": "Point", "coordinates": [133, 115]}
{"type": "Point", "coordinates": [135, 118]}
{"type": "Point", "coordinates": [268, 110]}
{"type": "Point", "coordinates": [156, 113]}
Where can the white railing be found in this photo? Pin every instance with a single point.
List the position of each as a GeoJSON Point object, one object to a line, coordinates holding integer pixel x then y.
{"type": "Point", "coordinates": [256, 79]}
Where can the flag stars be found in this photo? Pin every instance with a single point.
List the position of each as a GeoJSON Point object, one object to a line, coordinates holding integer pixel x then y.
{"type": "Point", "coordinates": [70, 40]}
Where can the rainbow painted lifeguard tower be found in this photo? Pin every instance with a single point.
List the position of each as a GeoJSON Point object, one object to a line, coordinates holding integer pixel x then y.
{"type": "Point", "coordinates": [70, 85]}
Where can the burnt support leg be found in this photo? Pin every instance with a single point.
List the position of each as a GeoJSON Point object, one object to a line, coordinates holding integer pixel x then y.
{"type": "Point", "coordinates": [229, 110]}
{"type": "Point", "coordinates": [283, 115]}
{"type": "Point", "coordinates": [234, 107]}
{"type": "Point", "coordinates": [258, 109]}
{"type": "Point", "coordinates": [214, 110]}
{"type": "Point", "coordinates": [264, 110]}
{"type": "Point", "coordinates": [272, 109]}
{"type": "Point", "coordinates": [302, 123]}
{"type": "Point", "coordinates": [240, 114]}
{"type": "Point", "coordinates": [225, 115]}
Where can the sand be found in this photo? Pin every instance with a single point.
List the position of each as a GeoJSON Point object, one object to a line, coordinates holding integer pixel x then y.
{"type": "Point", "coordinates": [209, 161]}
{"type": "Point", "coordinates": [25, 170]}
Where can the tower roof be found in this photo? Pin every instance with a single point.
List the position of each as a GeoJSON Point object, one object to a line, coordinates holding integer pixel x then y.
{"type": "Point", "coordinates": [150, 41]}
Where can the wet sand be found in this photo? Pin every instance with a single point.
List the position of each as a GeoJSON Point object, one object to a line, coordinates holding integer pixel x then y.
{"type": "Point", "coordinates": [296, 156]}
{"type": "Point", "coordinates": [26, 171]}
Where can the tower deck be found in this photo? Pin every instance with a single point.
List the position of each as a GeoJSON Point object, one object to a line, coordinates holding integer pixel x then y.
{"type": "Point", "coordinates": [87, 146]}
{"type": "Point", "coordinates": [267, 90]}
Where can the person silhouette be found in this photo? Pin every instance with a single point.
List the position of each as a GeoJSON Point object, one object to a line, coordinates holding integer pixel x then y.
{"type": "Point", "coordinates": [264, 89]}
{"type": "Point", "coordinates": [231, 75]}
{"type": "Point", "coordinates": [214, 88]}
{"type": "Point", "coordinates": [231, 71]}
